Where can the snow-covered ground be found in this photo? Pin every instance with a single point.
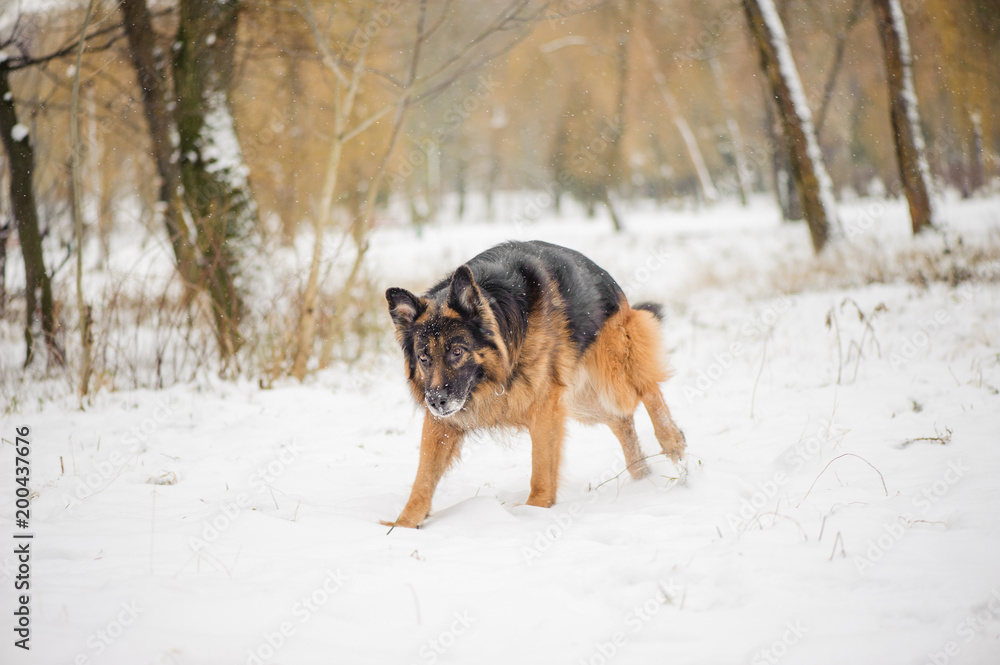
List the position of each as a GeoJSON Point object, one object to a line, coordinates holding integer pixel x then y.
{"type": "Point", "coordinates": [843, 502]}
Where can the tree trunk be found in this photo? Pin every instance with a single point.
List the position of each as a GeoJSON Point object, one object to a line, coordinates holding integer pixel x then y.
{"type": "Point", "coordinates": [214, 175]}
{"type": "Point", "coordinates": [977, 177]}
{"type": "Point", "coordinates": [21, 161]}
{"type": "Point", "coordinates": [743, 168]}
{"type": "Point", "coordinates": [6, 228]}
{"type": "Point", "coordinates": [76, 180]}
{"type": "Point", "coordinates": [814, 185]}
{"type": "Point", "coordinates": [616, 168]}
{"type": "Point", "coordinates": [708, 189]}
{"type": "Point", "coordinates": [911, 152]}
{"type": "Point", "coordinates": [784, 184]}
{"type": "Point", "coordinates": [4, 234]}
{"type": "Point", "coordinates": [838, 61]}
{"type": "Point", "coordinates": [151, 72]}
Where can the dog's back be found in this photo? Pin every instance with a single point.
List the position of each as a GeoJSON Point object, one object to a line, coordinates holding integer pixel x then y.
{"type": "Point", "coordinates": [517, 276]}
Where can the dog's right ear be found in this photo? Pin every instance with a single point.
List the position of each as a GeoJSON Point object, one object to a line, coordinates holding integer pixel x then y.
{"type": "Point", "coordinates": [404, 307]}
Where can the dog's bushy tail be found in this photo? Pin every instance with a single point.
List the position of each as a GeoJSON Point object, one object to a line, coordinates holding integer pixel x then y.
{"type": "Point", "coordinates": [654, 308]}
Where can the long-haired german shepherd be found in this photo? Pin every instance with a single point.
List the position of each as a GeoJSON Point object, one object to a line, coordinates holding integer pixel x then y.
{"type": "Point", "coordinates": [526, 335]}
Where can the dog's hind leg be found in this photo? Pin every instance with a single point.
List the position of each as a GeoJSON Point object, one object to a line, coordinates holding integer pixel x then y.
{"type": "Point", "coordinates": [646, 368]}
{"type": "Point", "coordinates": [439, 448]}
{"type": "Point", "coordinates": [667, 432]}
{"type": "Point", "coordinates": [624, 429]}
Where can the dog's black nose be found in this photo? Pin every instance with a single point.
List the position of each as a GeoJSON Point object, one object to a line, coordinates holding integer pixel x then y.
{"type": "Point", "coordinates": [436, 399]}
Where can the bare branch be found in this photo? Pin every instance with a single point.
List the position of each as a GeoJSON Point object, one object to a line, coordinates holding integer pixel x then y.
{"type": "Point", "coordinates": [331, 62]}
{"type": "Point", "coordinates": [367, 122]}
{"type": "Point", "coordinates": [22, 61]}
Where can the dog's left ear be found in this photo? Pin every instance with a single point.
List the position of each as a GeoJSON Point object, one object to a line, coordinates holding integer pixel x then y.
{"type": "Point", "coordinates": [404, 307]}
{"type": "Point", "coordinates": [463, 295]}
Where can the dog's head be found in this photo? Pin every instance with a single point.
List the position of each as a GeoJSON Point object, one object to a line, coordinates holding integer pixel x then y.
{"type": "Point", "coordinates": [451, 342]}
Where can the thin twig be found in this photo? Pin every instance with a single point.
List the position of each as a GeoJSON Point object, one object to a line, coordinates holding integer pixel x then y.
{"type": "Point", "coordinates": [838, 539]}
{"type": "Point", "coordinates": [943, 439]}
{"type": "Point", "coordinates": [763, 356]}
{"type": "Point", "coordinates": [881, 477]}
{"type": "Point", "coordinates": [152, 531]}
{"type": "Point", "coordinates": [831, 321]}
{"type": "Point", "coordinates": [618, 475]}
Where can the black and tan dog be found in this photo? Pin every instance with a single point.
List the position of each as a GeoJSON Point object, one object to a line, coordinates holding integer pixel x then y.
{"type": "Point", "coordinates": [525, 335]}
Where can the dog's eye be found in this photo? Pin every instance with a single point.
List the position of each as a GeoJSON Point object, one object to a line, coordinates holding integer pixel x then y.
{"type": "Point", "coordinates": [457, 352]}
{"type": "Point", "coordinates": [423, 357]}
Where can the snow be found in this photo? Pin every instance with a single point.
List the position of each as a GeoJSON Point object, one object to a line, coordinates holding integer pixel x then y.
{"type": "Point", "coordinates": [218, 522]}
{"type": "Point", "coordinates": [218, 143]}
{"type": "Point", "coordinates": [19, 132]}
{"type": "Point", "coordinates": [790, 73]}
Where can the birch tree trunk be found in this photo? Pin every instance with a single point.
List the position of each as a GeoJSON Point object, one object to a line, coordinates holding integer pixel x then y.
{"type": "Point", "coordinates": [708, 189]}
{"type": "Point", "coordinates": [76, 175]}
{"type": "Point", "coordinates": [743, 169]}
{"type": "Point", "coordinates": [214, 175]}
{"type": "Point", "coordinates": [815, 187]}
{"type": "Point", "coordinates": [343, 108]}
{"type": "Point", "coordinates": [911, 152]}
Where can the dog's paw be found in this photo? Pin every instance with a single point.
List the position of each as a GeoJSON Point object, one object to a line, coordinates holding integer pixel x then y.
{"type": "Point", "coordinates": [541, 499]}
{"type": "Point", "coordinates": [675, 448]}
{"type": "Point", "coordinates": [403, 522]}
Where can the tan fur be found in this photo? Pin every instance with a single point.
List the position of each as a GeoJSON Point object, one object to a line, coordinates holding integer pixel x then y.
{"type": "Point", "coordinates": [440, 447]}
{"type": "Point", "coordinates": [622, 367]}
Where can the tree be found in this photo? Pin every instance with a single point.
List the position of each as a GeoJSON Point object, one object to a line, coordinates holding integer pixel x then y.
{"type": "Point", "coordinates": [150, 68]}
{"type": "Point", "coordinates": [21, 162]}
{"type": "Point", "coordinates": [708, 189]}
{"type": "Point", "coordinates": [84, 310]}
{"type": "Point", "coordinates": [814, 185]}
{"type": "Point", "coordinates": [217, 190]}
{"type": "Point", "coordinates": [911, 153]}
{"type": "Point", "coordinates": [347, 80]}
{"type": "Point", "coordinates": [421, 78]}
{"type": "Point", "coordinates": [210, 211]}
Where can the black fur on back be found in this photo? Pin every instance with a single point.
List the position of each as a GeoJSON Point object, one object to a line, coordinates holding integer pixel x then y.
{"type": "Point", "coordinates": [515, 276]}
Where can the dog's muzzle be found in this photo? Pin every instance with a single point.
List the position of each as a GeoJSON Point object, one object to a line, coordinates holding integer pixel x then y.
{"type": "Point", "coordinates": [441, 404]}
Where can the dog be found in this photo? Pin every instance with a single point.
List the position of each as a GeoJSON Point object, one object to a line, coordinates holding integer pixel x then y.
{"type": "Point", "coordinates": [526, 335]}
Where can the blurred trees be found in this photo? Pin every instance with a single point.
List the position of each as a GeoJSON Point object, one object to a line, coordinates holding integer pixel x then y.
{"type": "Point", "coordinates": [224, 129]}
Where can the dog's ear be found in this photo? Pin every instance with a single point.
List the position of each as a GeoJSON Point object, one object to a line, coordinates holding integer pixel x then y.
{"type": "Point", "coordinates": [463, 294]}
{"type": "Point", "coordinates": [404, 307]}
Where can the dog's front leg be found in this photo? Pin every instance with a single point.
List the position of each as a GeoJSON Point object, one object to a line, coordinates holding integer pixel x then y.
{"type": "Point", "coordinates": [439, 448]}
{"type": "Point", "coordinates": [547, 429]}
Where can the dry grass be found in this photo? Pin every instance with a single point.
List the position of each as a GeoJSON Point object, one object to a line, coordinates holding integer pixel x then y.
{"type": "Point", "coordinates": [929, 258]}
